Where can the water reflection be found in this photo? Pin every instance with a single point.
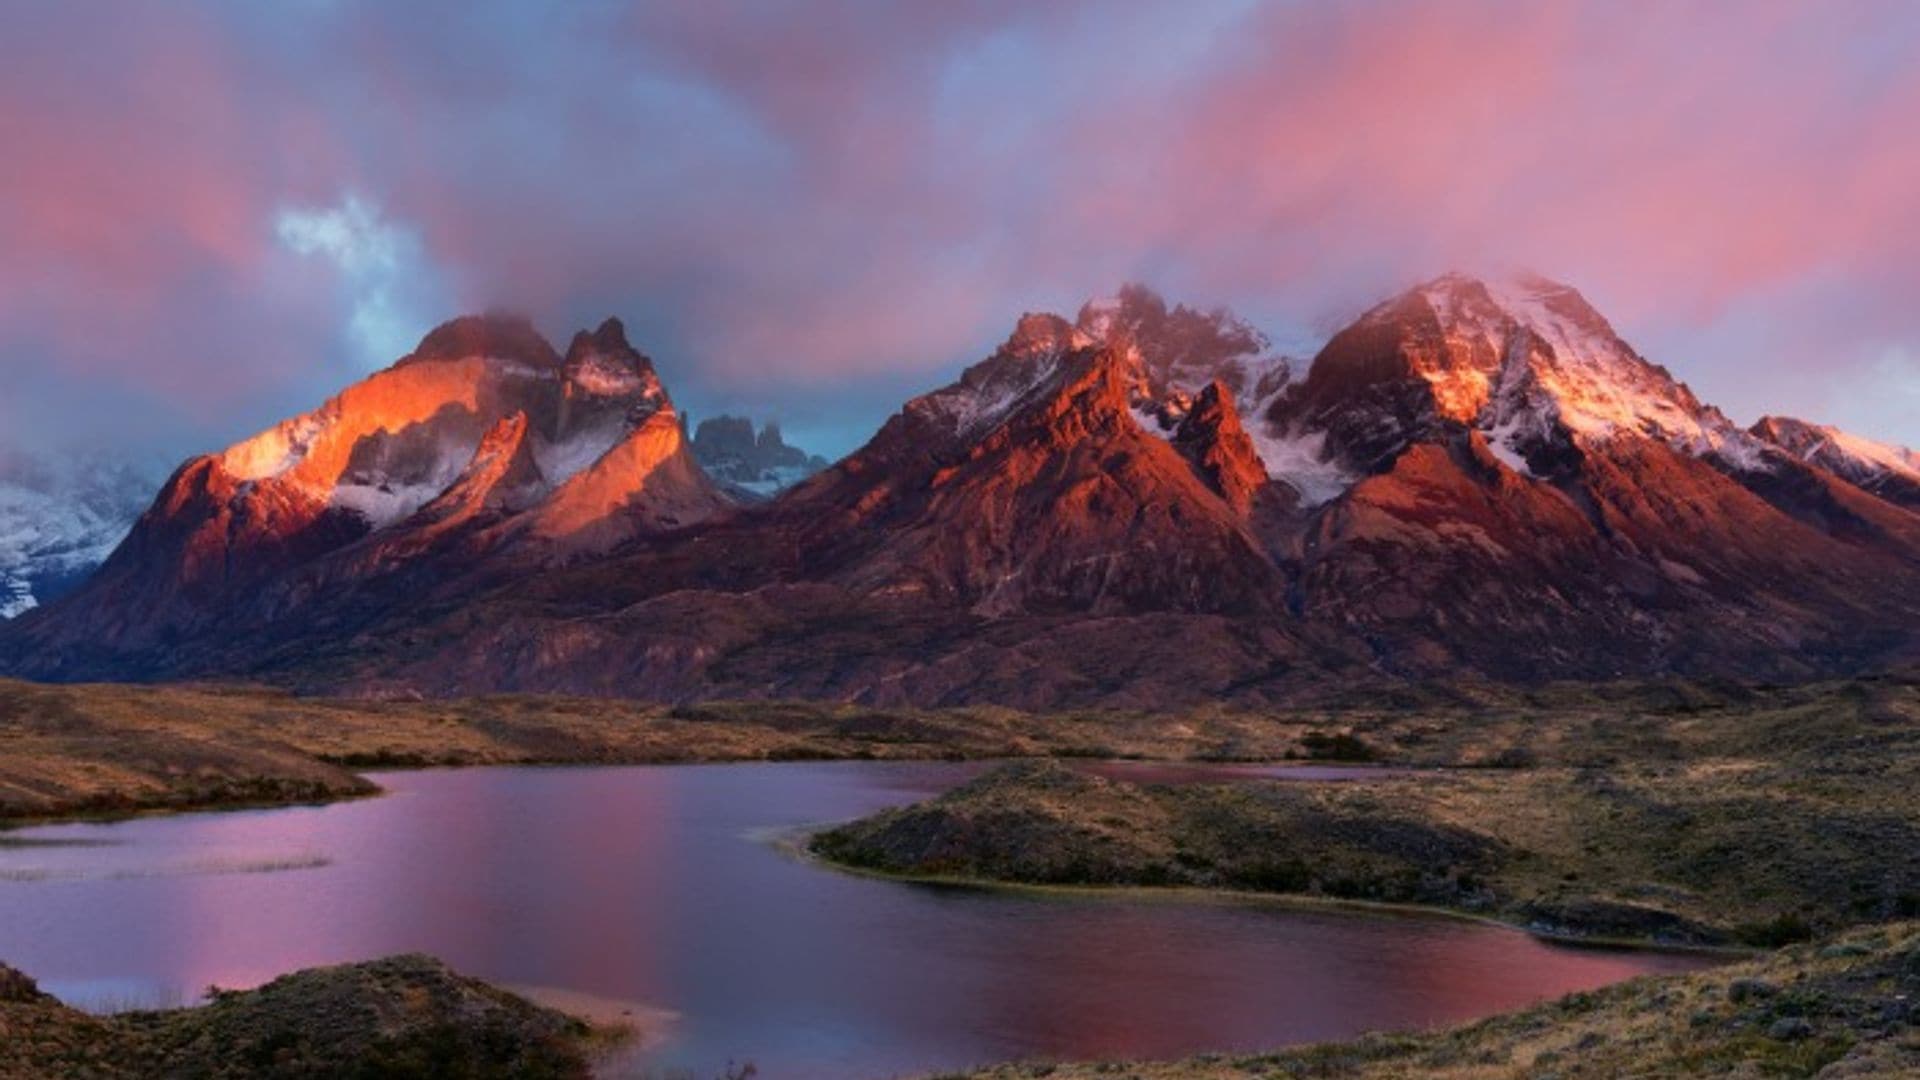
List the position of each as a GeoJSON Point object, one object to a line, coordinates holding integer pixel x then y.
{"type": "Point", "coordinates": [654, 886]}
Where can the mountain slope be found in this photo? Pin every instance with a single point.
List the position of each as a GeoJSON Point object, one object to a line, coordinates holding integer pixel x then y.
{"type": "Point", "coordinates": [1891, 472]}
{"type": "Point", "coordinates": [1527, 362]}
{"type": "Point", "coordinates": [1017, 536]}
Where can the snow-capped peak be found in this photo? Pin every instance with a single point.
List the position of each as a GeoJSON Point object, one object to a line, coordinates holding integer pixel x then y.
{"type": "Point", "coordinates": [1520, 356]}
{"type": "Point", "coordinates": [603, 364]}
{"type": "Point", "coordinates": [1179, 349]}
{"type": "Point", "coordinates": [1176, 352]}
{"type": "Point", "coordinates": [392, 443]}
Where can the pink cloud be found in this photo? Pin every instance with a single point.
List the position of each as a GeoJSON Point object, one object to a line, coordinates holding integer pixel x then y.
{"type": "Point", "coordinates": [825, 194]}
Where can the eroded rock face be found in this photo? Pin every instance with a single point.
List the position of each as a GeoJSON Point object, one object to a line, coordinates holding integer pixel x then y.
{"type": "Point", "coordinates": [1212, 437]}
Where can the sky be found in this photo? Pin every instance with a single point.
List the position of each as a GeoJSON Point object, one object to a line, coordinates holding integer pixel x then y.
{"type": "Point", "coordinates": [213, 215]}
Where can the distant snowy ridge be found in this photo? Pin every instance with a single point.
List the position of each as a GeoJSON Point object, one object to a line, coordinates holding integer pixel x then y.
{"type": "Point", "coordinates": [1892, 472]}
{"type": "Point", "coordinates": [59, 519]}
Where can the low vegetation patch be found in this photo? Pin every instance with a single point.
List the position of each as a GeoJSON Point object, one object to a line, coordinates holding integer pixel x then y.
{"type": "Point", "coordinates": [1043, 822]}
{"type": "Point", "coordinates": [1744, 841]}
{"type": "Point", "coordinates": [405, 1016]}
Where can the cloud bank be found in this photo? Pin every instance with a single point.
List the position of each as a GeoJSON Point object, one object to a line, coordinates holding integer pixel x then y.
{"type": "Point", "coordinates": [213, 216]}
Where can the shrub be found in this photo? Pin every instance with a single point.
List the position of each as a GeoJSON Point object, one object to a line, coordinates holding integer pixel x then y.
{"type": "Point", "coordinates": [1773, 933]}
{"type": "Point", "coordinates": [1341, 746]}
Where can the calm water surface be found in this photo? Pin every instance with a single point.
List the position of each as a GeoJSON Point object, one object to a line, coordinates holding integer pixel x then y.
{"type": "Point", "coordinates": [658, 887]}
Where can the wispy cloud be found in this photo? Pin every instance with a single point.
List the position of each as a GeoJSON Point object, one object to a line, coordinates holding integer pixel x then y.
{"type": "Point", "coordinates": [391, 291]}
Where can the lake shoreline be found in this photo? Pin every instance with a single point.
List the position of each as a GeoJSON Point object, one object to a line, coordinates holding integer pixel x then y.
{"type": "Point", "coordinates": [1625, 856]}
{"type": "Point", "coordinates": [1644, 781]}
{"type": "Point", "coordinates": [110, 752]}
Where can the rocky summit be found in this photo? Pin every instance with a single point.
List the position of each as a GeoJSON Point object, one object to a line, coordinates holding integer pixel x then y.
{"type": "Point", "coordinates": [751, 464]}
{"type": "Point", "coordinates": [1141, 505]}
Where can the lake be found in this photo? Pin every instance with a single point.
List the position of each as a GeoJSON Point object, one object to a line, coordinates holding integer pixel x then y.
{"type": "Point", "coordinates": [660, 889]}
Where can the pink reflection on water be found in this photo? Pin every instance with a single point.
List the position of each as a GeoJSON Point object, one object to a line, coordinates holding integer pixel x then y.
{"type": "Point", "coordinates": [657, 886]}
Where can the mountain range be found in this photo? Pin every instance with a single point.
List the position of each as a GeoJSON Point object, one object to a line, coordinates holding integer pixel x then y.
{"type": "Point", "coordinates": [1139, 506]}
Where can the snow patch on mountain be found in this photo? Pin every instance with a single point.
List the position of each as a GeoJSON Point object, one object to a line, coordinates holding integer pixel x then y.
{"type": "Point", "coordinates": [560, 461]}
{"type": "Point", "coordinates": [1300, 460]}
{"type": "Point", "coordinates": [1150, 420]}
{"type": "Point", "coordinates": [771, 482]}
{"type": "Point", "coordinates": [1894, 459]}
{"type": "Point", "coordinates": [384, 502]}
{"type": "Point", "coordinates": [1504, 441]}
{"type": "Point", "coordinates": [274, 451]}
{"type": "Point", "coordinates": [968, 410]}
